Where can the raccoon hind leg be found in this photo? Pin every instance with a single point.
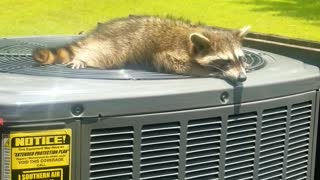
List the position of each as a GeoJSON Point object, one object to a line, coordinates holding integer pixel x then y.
{"type": "Point", "coordinates": [77, 64]}
{"type": "Point", "coordinates": [172, 62]}
{"type": "Point", "coordinates": [95, 54]}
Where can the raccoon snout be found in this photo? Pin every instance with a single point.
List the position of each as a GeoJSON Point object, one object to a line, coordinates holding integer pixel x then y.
{"type": "Point", "coordinates": [242, 77]}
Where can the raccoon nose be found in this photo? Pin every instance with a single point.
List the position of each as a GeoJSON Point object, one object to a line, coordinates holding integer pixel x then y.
{"type": "Point", "coordinates": [242, 77]}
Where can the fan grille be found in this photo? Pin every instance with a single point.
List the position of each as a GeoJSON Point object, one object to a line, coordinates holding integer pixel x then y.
{"type": "Point", "coordinates": [15, 57]}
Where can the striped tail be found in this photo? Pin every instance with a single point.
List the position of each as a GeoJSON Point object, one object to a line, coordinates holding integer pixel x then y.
{"type": "Point", "coordinates": [52, 56]}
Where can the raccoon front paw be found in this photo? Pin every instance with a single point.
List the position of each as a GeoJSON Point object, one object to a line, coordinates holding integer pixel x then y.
{"type": "Point", "coordinates": [77, 64]}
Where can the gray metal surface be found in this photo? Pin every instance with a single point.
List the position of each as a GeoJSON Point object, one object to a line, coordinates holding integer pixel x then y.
{"type": "Point", "coordinates": [270, 139]}
{"type": "Point", "coordinates": [190, 128]}
{"type": "Point", "coordinates": [30, 98]}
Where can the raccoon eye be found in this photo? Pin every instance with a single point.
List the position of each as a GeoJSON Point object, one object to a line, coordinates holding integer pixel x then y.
{"type": "Point", "coordinates": [222, 63]}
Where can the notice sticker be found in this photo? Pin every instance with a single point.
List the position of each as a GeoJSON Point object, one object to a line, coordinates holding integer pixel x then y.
{"type": "Point", "coordinates": [48, 174]}
{"type": "Point", "coordinates": [44, 155]}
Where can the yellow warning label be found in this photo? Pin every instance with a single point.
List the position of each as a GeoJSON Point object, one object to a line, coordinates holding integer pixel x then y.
{"type": "Point", "coordinates": [7, 144]}
{"type": "Point", "coordinates": [52, 174]}
{"type": "Point", "coordinates": [41, 155]}
{"type": "Point", "coordinates": [39, 141]}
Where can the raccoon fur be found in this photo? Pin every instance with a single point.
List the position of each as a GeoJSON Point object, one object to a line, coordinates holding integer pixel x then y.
{"type": "Point", "coordinates": [169, 45]}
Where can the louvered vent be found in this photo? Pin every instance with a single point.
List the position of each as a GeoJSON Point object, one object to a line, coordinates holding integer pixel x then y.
{"type": "Point", "coordinates": [203, 149]}
{"type": "Point", "coordinates": [240, 149]}
{"type": "Point", "coordinates": [265, 144]}
{"type": "Point", "coordinates": [297, 162]}
{"type": "Point", "coordinates": [273, 134]}
{"type": "Point", "coordinates": [160, 151]}
{"type": "Point", "coordinates": [111, 153]}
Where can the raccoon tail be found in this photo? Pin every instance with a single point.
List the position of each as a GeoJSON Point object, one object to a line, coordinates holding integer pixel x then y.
{"type": "Point", "coordinates": [52, 56]}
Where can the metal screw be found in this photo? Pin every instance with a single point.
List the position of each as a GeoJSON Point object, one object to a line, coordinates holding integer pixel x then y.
{"type": "Point", "coordinates": [77, 109]}
{"type": "Point", "coordinates": [224, 98]}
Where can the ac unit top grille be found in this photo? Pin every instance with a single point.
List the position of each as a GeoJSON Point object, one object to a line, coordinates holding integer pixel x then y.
{"type": "Point", "coordinates": [15, 57]}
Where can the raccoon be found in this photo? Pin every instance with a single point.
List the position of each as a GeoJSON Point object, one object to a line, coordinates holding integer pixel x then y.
{"type": "Point", "coordinates": [168, 45]}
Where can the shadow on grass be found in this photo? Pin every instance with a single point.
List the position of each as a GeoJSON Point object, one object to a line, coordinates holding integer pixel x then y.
{"type": "Point", "coordinates": [301, 9]}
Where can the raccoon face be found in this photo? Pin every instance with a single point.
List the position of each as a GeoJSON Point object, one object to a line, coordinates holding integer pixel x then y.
{"type": "Point", "coordinates": [221, 53]}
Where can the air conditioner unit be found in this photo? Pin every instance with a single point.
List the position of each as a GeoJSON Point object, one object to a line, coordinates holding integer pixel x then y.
{"type": "Point", "coordinates": [60, 123]}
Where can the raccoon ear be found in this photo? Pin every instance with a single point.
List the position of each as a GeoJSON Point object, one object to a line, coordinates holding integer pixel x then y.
{"type": "Point", "coordinates": [199, 41]}
{"type": "Point", "coordinates": [243, 32]}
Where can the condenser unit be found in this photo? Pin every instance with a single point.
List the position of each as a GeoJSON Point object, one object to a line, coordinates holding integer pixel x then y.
{"type": "Point", "coordinates": [60, 123]}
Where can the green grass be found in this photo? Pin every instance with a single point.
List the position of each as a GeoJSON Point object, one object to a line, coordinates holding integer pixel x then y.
{"type": "Point", "coordinates": [291, 18]}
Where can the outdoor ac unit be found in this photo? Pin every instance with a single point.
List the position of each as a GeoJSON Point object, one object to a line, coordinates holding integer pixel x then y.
{"type": "Point", "coordinates": [61, 123]}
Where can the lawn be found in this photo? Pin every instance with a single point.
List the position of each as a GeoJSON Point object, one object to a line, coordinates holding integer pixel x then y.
{"type": "Point", "coordinates": [291, 18]}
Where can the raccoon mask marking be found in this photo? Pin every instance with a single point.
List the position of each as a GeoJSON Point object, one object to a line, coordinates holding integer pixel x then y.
{"type": "Point", "coordinates": [221, 53]}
